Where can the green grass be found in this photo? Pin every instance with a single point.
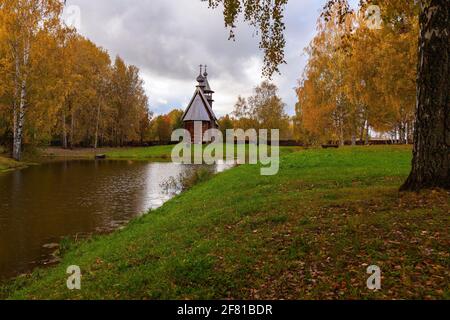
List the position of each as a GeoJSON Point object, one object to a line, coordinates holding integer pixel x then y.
{"type": "Point", "coordinates": [307, 233]}
{"type": "Point", "coordinates": [165, 152]}
{"type": "Point", "coordinates": [7, 164]}
{"type": "Point", "coordinates": [158, 152]}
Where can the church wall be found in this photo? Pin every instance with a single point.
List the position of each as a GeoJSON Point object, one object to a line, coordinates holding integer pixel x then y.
{"type": "Point", "coordinates": [190, 126]}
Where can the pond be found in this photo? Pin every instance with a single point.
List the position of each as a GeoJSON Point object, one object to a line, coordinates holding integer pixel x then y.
{"type": "Point", "coordinates": [42, 204]}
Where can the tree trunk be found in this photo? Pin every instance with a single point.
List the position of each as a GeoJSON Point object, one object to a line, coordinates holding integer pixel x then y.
{"type": "Point", "coordinates": [430, 166]}
{"type": "Point", "coordinates": [19, 112]}
{"type": "Point", "coordinates": [20, 118]}
{"type": "Point", "coordinates": [410, 132]}
{"type": "Point", "coordinates": [72, 129]}
{"type": "Point", "coordinates": [361, 134]}
{"type": "Point", "coordinates": [16, 94]}
{"type": "Point", "coordinates": [14, 124]}
{"type": "Point", "coordinates": [97, 125]}
{"type": "Point", "coordinates": [64, 129]}
{"type": "Point", "coordinates": [401, 133]}
{"type": "Point", "coordinates": [367, 133]}
{"type": "Point", "coordinates": [15, 115]}
{"type": "Point", "coordinates": [354, 130]}
{"type": "Point", "coordinates": [405, 138]}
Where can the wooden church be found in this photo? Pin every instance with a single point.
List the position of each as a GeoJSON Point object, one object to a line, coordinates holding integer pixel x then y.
{"type": "Point", "coordinates": [199, 109]}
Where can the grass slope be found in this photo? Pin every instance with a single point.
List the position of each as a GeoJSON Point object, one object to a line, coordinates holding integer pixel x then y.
{"type": "Point", "coordinates": [7, 164]}
{"type": "Point", "coordinates": [310, 232]}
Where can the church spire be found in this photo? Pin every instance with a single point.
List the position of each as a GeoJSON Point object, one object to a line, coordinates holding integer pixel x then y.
{"type": "Point", "coordinates": [207, 88]}
{"type": "Point", "coordinates": [200, 78]}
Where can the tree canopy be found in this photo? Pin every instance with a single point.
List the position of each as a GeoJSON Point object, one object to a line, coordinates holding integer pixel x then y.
{"type": "Point", "coordinates": [57, 86]}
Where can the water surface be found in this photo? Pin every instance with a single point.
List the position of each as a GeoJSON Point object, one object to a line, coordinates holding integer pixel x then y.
{"type": "Point", "coordinates": [42, 204]}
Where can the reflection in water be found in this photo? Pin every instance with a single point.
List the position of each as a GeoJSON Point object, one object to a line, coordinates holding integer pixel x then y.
{"type": "Point", "coordinates": [42, 204]}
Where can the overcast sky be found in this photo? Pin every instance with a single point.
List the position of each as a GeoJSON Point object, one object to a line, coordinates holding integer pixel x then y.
{"type": "Point", "coordinates": [169, 39]}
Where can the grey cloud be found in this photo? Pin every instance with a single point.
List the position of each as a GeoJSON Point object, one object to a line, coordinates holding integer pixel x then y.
{"type": "Point", "coordinates": [167, 39]}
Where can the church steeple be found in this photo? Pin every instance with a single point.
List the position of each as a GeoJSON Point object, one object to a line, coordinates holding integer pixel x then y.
{"type": "Point", "coordinates": [201, 79]}
{"type": "Point", "coordinates": [199, 109]}
{"type": "Point", "coordinates": [207, 88]}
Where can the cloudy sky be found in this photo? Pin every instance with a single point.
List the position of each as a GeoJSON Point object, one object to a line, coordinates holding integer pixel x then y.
{"type": "Point", "coordinates": [169, 39]}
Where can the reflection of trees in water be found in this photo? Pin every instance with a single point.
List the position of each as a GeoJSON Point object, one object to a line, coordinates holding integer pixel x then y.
{"type": "Point", "coordinates": [185, 180]}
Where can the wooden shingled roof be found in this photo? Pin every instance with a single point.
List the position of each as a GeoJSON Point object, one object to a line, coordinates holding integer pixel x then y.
{"type": "Point", "coordinates": [199, 108]}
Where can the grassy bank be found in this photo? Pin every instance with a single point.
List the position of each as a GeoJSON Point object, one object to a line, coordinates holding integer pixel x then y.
{"type": "Point", "coordinates": [8, 164]}
{"type": "Point", "coordinates": [144, 153]}
{"type": "Point", "coordinates": [156, 153]}
{"type": "Point", "coordinates": [309, 232]}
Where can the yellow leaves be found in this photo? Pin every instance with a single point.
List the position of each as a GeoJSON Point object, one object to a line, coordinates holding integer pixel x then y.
{"type": "Point", "coordinates": [68, 79]}
{"type": "Point", "coordinates": [357, 76]}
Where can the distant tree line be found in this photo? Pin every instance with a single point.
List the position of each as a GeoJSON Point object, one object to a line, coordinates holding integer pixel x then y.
{"type": "Point", "coordinates": [262, 110]}
{"type": "Point", "coordinates": [162, 126]}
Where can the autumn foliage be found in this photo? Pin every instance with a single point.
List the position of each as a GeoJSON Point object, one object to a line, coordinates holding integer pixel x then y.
{"type": "Point", "coordinates": [359, 81]}
{"type": "Point", "coordinates": [56, 85]}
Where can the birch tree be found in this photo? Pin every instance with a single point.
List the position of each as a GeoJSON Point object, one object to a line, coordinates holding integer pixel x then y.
{"type": "Point", "coordinates": [23, 20]}
{"type": "Point", "coordinates": [431, 160]}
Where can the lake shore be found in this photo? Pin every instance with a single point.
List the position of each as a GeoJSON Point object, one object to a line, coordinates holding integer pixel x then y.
{"type": "Point", "coordinates": [8, 164]}
{"type": "Point", "coordinates": [48, 154]}
{"type": "Point", "coordinates": [156, 152]}
{"type": "Point", "coordinates": [130, 153]}
{"type": "Point", "coordinates": [308, 233]}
